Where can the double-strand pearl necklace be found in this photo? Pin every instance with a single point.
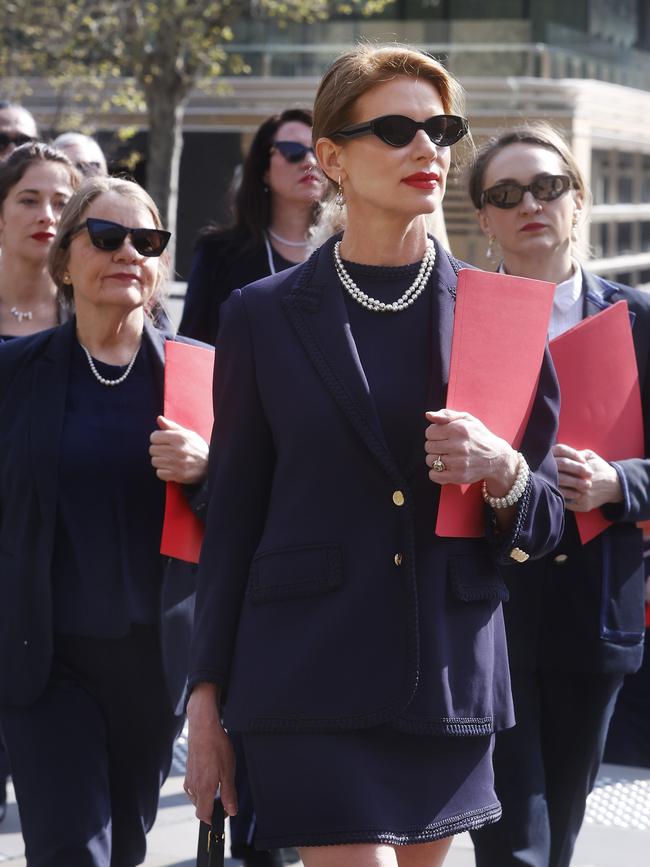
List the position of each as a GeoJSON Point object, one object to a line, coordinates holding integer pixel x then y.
{"type": "Point", "coordinates": [103, 379]}
{"type": "Point", "coordinates": [413, 292]}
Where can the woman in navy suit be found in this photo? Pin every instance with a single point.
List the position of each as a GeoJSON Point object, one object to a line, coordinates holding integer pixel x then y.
{"type": "Point", "coordinates": [94, 625]}
{"type": "Point", "coordinates": [575, 618]}
{"type": "Point", "coordinates": [362, 657]}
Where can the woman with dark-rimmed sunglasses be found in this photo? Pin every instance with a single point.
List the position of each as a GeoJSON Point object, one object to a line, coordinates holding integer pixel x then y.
{"type": "Point", "coordinates": [276, 203]}
{"type": "Point", "coordinates": [361, 657]}
{"type": "Point", "coordinates": [575, 618]}
{"type": "Point", "coordinates": [94, 623]}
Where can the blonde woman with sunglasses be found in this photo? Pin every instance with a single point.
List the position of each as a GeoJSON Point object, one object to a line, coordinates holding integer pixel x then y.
{"type": "Point", "coordinates": [361, 657]}
{"type": "Point", "coordinates": [575, 618]}
{"type": "Point", "coordinates": [94, 623]}
{"type": "Point", "coordinates": [276, 203]}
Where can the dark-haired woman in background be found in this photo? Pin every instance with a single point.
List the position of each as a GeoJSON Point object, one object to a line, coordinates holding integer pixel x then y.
{"type": "Point", "coordinates": [36, 181]}
{"type": "Point", "coordinates": [575, 619]}
{"type": "Point", "coordinates": [275, 205]}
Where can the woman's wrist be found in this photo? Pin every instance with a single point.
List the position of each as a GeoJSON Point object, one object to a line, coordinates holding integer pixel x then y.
{"type": "Point", "coordinates": [501, 480]}
{"type": "Point", "coordinates": [511, 496]}
{"type": "Point", "coordinates": [203, 703]}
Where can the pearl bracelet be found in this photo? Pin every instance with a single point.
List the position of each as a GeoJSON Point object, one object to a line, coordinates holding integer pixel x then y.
{"type": "Point", "coordinates": [516, 491]}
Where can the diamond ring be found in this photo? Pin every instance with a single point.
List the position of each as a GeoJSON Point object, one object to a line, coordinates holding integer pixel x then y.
{"type": "Point", "coordinates": [438, 465]}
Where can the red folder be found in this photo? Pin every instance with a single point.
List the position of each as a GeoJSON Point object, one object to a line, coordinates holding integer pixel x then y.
{"type": "Point", "coordinates": [188, 402]}
{"type": "Point", "coordinates": [500, 327]}
{"type": "Point", "coordinates": [601, 399]}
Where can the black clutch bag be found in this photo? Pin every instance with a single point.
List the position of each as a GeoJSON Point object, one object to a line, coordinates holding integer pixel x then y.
{"type": "Point", "coordinates": [212, 839]}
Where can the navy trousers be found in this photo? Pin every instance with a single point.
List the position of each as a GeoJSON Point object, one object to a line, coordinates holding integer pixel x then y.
{"type": "Point", "coordinates": [89, 757]}
{"type": "Point", "coordinates": [546, 766]}
{"type": "Point", "coordinates": [628, 741]}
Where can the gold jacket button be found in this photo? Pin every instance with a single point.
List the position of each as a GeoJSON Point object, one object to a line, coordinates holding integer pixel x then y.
{"type": "Point", "coordinates": [518, 555]}
{"type": "Point", "coordinates": [561, 559]}
{"type": "Point", "coordinates": [398, 498]}
{"type": "Point", "coordinates": [398, 559]}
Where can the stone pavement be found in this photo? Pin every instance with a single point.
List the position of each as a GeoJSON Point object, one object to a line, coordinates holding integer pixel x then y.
{"type": "Point", "coordinates": [616, 832]}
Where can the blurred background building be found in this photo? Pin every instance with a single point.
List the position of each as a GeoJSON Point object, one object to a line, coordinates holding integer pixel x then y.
{"type": "Point", "coordinates": [583, 65]}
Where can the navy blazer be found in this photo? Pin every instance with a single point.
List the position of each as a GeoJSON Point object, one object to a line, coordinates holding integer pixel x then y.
{"type": "Point", "coordinates": [222, 261]}
{"type": "Point", "coordinates": [307, 605]}
{"type": "Point", "coordinates": [582, 607]}
{"type": "Point", "coordinates": [33, 384]}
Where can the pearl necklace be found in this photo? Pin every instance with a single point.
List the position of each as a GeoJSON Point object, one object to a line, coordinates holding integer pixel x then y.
{"type": "Point", "coordinates": [103, 379]}
{"type": "Point", "coordinates": [416, 288]}
{"type": "Point", "coordinates": [284, 241]}
{"type": "Point", "coordinates": [21, 314]}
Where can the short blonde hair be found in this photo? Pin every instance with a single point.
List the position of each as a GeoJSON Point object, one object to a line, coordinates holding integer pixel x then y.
{"type": "Point", "coordinates": [73, 214]}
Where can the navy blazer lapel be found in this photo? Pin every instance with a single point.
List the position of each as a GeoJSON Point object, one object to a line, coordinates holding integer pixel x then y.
{"type": "Point", "coordinates": [444, 279]}
{"type": "Point", "coordinates": [317, 310]}
{"type": "Point", "coordinates": [47, 411]}
{"type": "Point", "coordinates": [597, 294]}
{"type": "Point", "coordinates": [600, 294]}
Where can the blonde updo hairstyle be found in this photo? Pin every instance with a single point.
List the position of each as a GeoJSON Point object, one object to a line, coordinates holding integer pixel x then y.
{"type": "Point", "coordinates": [358, 71]}
{"type": "Point", "coordinates": [73, 214]}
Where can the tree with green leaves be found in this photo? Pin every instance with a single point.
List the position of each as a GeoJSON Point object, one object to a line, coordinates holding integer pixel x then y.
{"type": "Point", "coordinates": [143, 55]}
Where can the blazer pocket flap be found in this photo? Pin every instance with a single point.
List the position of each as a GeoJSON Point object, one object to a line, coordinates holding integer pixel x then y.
{"type": "Point", "coordinates": [294, 573]}
{"type": "Point", "coordinates": [474, 579]}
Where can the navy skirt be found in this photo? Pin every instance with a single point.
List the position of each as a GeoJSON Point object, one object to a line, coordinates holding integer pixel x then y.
{"type": "Point", "coordinates": [374, 785]}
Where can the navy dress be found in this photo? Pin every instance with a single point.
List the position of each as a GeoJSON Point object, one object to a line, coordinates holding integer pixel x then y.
{"type": "Point", "coordinates": [394, 783]}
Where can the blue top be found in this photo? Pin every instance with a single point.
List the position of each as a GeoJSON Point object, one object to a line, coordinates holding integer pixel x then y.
{"type": "Point", "coordinates": [404, 375]}
{"type": "Point", "coordinates": [403, 371]}
{"type": "Point", "coordinates": [107, 570]}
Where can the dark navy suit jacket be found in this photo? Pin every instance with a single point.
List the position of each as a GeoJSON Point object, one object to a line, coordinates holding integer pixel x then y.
{"type": "Point", "coordinates": [307, 607]}
{"type": "Point", "coordinates": [581, 608]}
{"type": "Point", "coordinates": [33, 383]}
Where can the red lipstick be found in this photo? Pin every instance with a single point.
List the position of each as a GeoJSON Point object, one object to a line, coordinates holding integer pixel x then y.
{"type": "Point", "coordinates": [533, 227]}
{"type": "Point", "coordinates": [43, 236]}
{"type": "Point", "coordinates": [422, 180]}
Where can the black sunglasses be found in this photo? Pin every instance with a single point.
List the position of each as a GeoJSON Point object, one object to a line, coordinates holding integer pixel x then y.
{"type": "Point", "coordinates": [110, 236]}
{"type": "Point", "coordinates": [508, 194]}
{"type": "Point", "coordinates": [292, 151]}
{"type": "Point", "coordinates": [18, 139]}
{"type": "Point", "coordinates": [397, 130]}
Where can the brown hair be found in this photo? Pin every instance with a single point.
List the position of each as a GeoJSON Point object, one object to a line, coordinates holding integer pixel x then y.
{"type": "Point", "coordinates": [354, 73]}
{"type": "Point", "coordinates": [539, 134]}
{"type": "Point", "coordinates": [73, 214]}
{"type": "Point", "coordinates": [13, 167]}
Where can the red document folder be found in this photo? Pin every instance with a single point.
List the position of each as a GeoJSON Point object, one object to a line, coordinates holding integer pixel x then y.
{"type": "Point", "coordinates": [188, 402]}
{"type": "Point", "coordinates": [600, 396]}
{"type": "Point", "coordinates": [500, 327]}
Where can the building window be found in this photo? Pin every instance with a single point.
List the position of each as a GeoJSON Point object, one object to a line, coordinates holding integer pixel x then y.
{"type": "Point", "coordinates": [645, 237]}
{"type": "Point", "coordinates": [625, 238]}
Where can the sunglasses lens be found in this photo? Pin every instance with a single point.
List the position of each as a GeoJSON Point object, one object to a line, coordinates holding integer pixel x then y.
{"type": "Point", "coordinates": [395, 130]}
{"type": "Point", "coordinates": [6, 139]}
{"type": "Point", "coordinates": [445, 129]}
{"type": "Point", "coordinates": [549, 187]}
{"type": "Point", "coordinates": [150, 242]}
{"type": "Point", "coordinates": [110, 236]}
{"type": "Point", "coordinates": [292, 151]}
{"type": "Point", "coordinates": [105, 235]}
{"type": "Point", "coordinates": [504, 195]}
